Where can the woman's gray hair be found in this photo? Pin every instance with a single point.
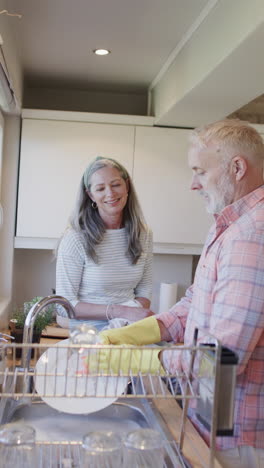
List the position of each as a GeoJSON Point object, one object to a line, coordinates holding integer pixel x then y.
{"type": "Point", "coordinates": [87, 220]}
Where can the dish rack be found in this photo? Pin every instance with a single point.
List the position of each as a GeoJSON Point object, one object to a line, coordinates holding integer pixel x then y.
{"type": "Point", "coordinates": [61, 380]}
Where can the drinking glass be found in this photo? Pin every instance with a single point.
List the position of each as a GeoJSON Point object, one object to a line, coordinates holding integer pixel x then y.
{"type": "Point", "coordinates": [101, 449]}
{"type": "Point", "coordinates": [84, 334]}
{"type": "Point", "coordinates": [143, 448]}
{"type": "Point", "coordinates": [17, 446]}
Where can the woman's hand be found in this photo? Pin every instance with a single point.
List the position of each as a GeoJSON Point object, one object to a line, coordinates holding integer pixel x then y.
{"type": "Point", "coordinates": [132, 314]}
{"type": "Point", "coordinates": [143, 301]}
{"type": "Point", "coordinates": [140, 314]}
{"type": "Point", "coordinates": [89, 311]}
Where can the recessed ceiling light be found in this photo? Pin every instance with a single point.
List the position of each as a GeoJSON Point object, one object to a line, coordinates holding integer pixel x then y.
{"type": "Point", "coordinates": [101, 51]}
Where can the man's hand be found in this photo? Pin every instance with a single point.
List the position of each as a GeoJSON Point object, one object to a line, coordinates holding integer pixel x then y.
{"type": "Point", "coordinates": [123, 361]}
{"type": "Point", "coordinates": [143, 332]}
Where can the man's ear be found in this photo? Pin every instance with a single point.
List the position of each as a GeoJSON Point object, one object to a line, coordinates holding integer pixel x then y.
{"type": "Point", "coordinates": [239, 167]}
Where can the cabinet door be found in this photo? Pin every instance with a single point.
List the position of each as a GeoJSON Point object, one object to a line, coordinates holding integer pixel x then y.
{"type": "Point", "coordinates": [162, 180]}
{"type": "Point", "coordinates": [54, 155]}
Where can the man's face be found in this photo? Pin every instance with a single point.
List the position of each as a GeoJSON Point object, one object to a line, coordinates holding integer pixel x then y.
{"type": "Point", "coordinates": [211, 177]}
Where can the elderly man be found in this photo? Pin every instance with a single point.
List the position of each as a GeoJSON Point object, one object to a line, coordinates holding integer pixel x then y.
{"type": "Point", "coordinates": [227, 296]}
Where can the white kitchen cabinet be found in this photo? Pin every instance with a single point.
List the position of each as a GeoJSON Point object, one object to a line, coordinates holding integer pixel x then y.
{"type": "Point", "coordinates": [56, 148]}
{"type": "Point", "coordinates": [54, 155]}
{"type": "Point", "coordinates": [162, 179]}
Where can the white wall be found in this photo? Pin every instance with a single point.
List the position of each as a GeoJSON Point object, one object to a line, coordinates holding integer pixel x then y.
{"type": "Point", "coordinates": [8, 199]}
{"type": "Point", "coordinates": [171, 269]}
{"type": "Point", "coordinates": [35, 274]}
{"type": "Point", "coordinates": [2, 125]}
{"type": "Point", "coordinates": [9, 56]}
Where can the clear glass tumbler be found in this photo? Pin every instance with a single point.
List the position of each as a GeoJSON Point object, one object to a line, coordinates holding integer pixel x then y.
{"type": "Point", "coordinates": [102, 449]}
{"type": "Point", "coordinates": [17, 446]}
{"type": "Point", "coordinates": [143, 448]}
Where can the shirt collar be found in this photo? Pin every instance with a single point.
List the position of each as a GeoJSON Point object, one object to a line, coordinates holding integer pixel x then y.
{"type": "Point", "coordinates": [232, 212]}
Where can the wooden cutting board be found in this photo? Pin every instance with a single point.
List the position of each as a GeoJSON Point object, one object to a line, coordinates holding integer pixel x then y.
{"type": "Point", "coordinates": [54, 330]}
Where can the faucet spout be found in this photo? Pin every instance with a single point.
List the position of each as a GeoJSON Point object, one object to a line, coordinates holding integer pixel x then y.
{"type": "Point", "coordinates": [31, 317]}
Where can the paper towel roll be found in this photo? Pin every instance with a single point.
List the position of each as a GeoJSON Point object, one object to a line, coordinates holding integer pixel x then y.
{"type": "Point", "coordinates": [168, 296]}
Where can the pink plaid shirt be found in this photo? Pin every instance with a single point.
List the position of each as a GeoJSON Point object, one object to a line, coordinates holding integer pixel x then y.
{"type": "Point", "coordinates": [227, 300]}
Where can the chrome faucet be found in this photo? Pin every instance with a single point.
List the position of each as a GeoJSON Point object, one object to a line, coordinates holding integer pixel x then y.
{"type": "Point", "coordinates": [30, 320]}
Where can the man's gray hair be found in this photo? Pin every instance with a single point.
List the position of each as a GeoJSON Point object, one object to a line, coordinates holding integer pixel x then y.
{"type": "Point", "coordinates": [233, 137]}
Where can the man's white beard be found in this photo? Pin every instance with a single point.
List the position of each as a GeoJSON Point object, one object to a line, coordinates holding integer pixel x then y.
{"type": "Point", "coordinates": [220, 197]}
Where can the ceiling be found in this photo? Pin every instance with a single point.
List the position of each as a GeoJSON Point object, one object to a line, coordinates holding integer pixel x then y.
{"type": "Point", "coordinates": [193, 58]}
{"type": "Point", "coordinates": [252, 112]}
{"type": "Point", "coordinates": [57, 37]}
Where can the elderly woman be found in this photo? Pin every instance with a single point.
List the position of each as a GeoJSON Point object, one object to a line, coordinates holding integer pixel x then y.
{"type": "Point", "coordinates": [104, 260]}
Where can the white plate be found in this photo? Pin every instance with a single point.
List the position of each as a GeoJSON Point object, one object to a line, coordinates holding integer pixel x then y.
{"type": "Point", "coordinates": [63, 366]}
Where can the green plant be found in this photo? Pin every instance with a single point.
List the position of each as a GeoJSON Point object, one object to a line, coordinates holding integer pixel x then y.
{"type": "Point", "coordinates": [42, 320]}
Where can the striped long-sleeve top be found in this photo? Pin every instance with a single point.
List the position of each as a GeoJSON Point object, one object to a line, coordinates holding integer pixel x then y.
{"type": "Point", "coordinates": [227, 300]}
{"type": "Point", "coordinates": [113, 279]}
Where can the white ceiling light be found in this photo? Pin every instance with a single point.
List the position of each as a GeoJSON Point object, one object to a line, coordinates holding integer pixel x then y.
{"type": "Point", "coordinates": [101, 51]}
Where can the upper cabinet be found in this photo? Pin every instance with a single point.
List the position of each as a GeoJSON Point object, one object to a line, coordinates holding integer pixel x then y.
{"type": "Point", "coordinates": [162, 179]}
{"type": "Point", "coordinates": [55, 152]}
{"type": "Point", "coordinates": [54, 155]}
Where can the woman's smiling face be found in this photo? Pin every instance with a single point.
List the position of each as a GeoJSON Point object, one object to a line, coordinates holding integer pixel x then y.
{"type": "Point", "coordinates": [109, 191]}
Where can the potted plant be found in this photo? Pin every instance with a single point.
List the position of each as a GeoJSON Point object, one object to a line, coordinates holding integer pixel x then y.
{"type": "Point", "coordinates": [16, 323]}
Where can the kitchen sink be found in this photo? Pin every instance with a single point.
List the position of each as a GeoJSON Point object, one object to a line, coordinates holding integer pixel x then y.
{"type": "Point", "coordinates": [53, 401]}
{"type": "Point", "coordinates": [59, 435]}
{"type": "Point", "coordinates": [54, 425]}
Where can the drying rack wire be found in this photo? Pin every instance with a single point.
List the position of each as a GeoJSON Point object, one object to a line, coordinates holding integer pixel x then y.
{"type": "Point", "coordinates": [68, 370]}
{"type": "Point", "coordinates": [15, 379]}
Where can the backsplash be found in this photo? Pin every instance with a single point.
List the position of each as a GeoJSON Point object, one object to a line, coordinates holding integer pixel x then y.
{"type": "Point", "coordinates": [35, 274]}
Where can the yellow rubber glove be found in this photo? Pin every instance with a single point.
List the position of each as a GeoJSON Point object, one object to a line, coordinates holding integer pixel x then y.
{"type": "Point", "coordinates": [143, 332]}
{"type": "Point", "coordinates": [123, 360]}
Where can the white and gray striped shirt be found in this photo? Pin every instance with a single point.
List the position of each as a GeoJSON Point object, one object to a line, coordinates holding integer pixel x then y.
{"type": "Point", "coordinates": [113, 279]}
